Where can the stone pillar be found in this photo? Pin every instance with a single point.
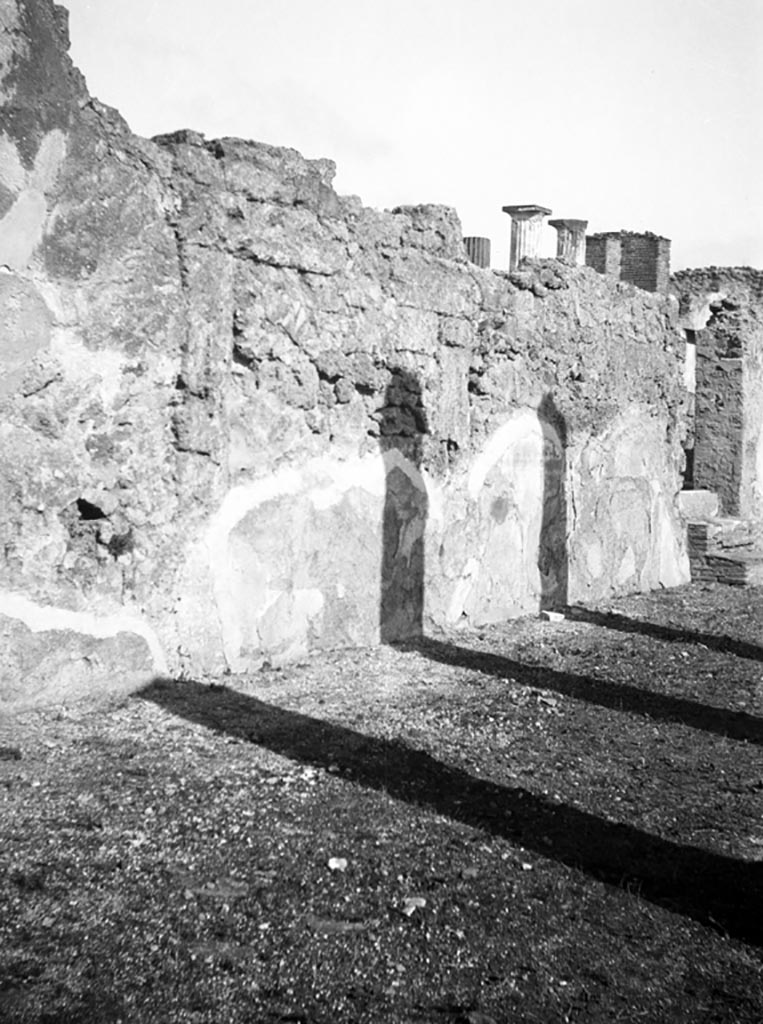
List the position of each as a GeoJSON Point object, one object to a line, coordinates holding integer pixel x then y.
{"type": "Point", "coordinates": [478, 250]}
{"type": "Point", "coordinates": [570, 240]}
{"type": "Point", "coordinates": [526, 224]}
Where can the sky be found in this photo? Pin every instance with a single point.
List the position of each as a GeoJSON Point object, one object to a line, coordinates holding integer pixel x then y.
{"type": "Point", "coordinates": [638, 114]}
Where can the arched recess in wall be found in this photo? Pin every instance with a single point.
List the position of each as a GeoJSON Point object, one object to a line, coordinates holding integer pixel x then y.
{"type": "Point", "coordinates": [295, 561]}
{"type": "Point", "coordinates": [497, 535]}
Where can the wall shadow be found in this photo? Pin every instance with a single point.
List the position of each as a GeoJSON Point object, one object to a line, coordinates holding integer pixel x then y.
{"type": "Point", "coordinates": [613, 620]}
{"type": "Point", "coordinates": [718, 891]}
{"type": "Point", "coordinates": [402, 425]}
{"type": "Point", "coordinates": [735, 725]}
{"type": "Point", "coordinates": [552, 547]}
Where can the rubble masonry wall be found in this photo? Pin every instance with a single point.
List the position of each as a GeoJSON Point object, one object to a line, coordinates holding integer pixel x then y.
{"type": "Point", "coordinates": [243, 418]}
{"type": "Point", "coordinates": [724, 309]}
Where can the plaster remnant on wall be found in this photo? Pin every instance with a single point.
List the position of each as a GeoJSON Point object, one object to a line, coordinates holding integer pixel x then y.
{"type": "Point", "coordinates": [13, 174]}
{"type": "Point", "coordinates": [22, 227]}
{"type": "Point", "coordinates": [626, 536]}
{"type": "Point", "coordinates": [48, 162]}
{"type": "Point", "coordinates": [102, 372]}
{"type": "Point", "coordinates": [55, 654]}
{"type": "Point", "coordinates": [25, 329]}
{"type": "Point", "coordinates": [45, 618]}
{"type": "Point", "coordinates": [273, 622]}
{"type": "Point", "coordinates": [524, 428]}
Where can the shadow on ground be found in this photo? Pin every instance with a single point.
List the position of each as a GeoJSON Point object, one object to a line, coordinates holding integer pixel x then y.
{"type": "Point", "coordinates": [735, 725]}
{"type": "Point", "coordinates": [674, 634]}
{"type": "Point", "coordinates": [713, 889]}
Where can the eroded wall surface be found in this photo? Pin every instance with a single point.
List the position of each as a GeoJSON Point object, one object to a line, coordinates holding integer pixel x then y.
{"type": "Point", "coordinates": [244, 417]}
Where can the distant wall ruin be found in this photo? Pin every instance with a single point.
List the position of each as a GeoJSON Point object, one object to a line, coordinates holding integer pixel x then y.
{"type": "Point", "coordinates": [721, 309]}
{"type": "Point", "coordinates": [244, 417]}
{"type": "Point", "coordinates": [640, 259]}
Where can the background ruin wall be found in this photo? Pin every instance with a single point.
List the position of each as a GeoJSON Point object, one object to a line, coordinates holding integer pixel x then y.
{"type": "Point", "coordinates": [243, 417]}
{"type": "Point", "coordinates": [641, 259]}
{"type": "Point", "coordinates": [722, 308]}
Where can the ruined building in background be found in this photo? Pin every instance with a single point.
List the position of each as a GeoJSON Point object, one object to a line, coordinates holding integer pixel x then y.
{"type": "Point", "coordinates": [721, 312]}
{"type": "Point", "coordinates": [243, 417]}
{"type": "Point", "coordinates": [642, 259]}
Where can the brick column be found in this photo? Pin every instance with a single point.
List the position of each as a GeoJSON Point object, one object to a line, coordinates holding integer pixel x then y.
{"type": "Point", "coordinates": [477, 250]}
{"type": "Point", "coordinates": [570, 240]}
{"type": "Point", "coordinates": [604, 252]}
{"type": "Point", "coordinates": [526, 224]}
{"type": "Point", "coordinates": [646, 260]}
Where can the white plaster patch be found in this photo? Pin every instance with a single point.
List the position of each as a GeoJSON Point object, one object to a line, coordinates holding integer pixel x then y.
{"type": "Point", "coordinates": [627, 566]}
{"type": "Point", "coordinates": [47, 163]}
{"type": "Point", "coordinates": [286, 617]}
{"type": "Point", "coordinates": [101, 370]}
{"type": "Point", "coordinates": [369, 474]}
{"type": "Point", "coordinates": [12, 172]}
{"type": "Point", "coordinates": [323, 482]}
{"type": "Point", "coordinates": [44, 618]}
{"type": "Point", "coordinates": [758, 488]}
{"type": "Point", "coordinates": [594, 559]}
{"type": "Point", "coordinates": [506, 481]}
{"type": "Point", "coordinates": [670, 554]}
{"type": "Point", "coordinates": [462, 590]}
{"type": "Point", "coordinates": [521, 429]}
{"type": "Point", "coordinates": [21, 229]}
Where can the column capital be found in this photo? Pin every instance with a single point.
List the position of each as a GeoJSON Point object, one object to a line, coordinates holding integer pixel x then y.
{"type": "Point", "coordinates": [570, 225]}
{"type": "Point", "coordinates": [526, 227]}
{"type": "Point", "coordinates": [570, 239]}
{"type": "Point", "coordinates": [526, 211]}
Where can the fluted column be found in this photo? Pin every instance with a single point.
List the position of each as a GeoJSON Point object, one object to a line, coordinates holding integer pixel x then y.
{"type": "Point", "coordinates": [526, 224]}
{"type": "Point", "coordinates": [477, 250]}
{"type": "Point", "coordinates": [570, 240]}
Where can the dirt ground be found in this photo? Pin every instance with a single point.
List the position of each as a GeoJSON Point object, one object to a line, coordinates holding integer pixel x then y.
{"type": "Point", "coordinates": [538, 822]}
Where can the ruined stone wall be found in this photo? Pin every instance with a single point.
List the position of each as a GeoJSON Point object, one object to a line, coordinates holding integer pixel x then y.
{"type": "Point", "coordinates": [724, 307]}
{"type": "Point", "coordinates": [244, 417]}
{"type": "Point", "coordinates": [718, 433]}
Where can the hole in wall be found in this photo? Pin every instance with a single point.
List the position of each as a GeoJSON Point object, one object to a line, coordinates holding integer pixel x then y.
{"type": "Point", "coordinates": [88, 511]}
{"type": "Point", "coordinates": [242, 358]}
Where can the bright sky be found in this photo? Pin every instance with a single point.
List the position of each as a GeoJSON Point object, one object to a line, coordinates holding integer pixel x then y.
{"type": "Point", "coordinates": [637, 114]}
